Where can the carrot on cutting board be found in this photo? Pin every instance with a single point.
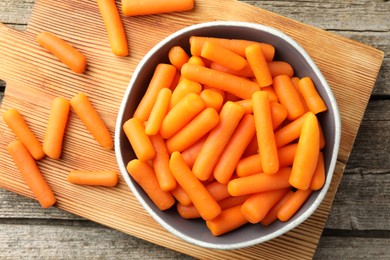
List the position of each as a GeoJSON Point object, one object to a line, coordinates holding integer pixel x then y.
{"type": "Point", "coordinates": [228, 220]}
{"type": "Point", "coordinates": [114, 26]}
{"type": "Point", "coordinates": [142, 146]}
{"type": "Point", "coordinates": [146, 7]}
{"type": "Point", "coordinates": [307, 153]}
{"type": "Point", "coordinates": [63, 51]}
{"type": "Point", "coordinates": [163, 76]}
{"type": "Point", "coordinates": [52, 143]}
{"type": "Point", "coordinates": [213, 78]}
{"type": "Point", "coordinates": [92, 120]}
{"type": "Point", "coordinates": [18, 125]}
{"type": "Point", "coordinates": [258, 64]}
{"type": "Point", "coordinates": [178, 56]}
{"type": "Point", "coordinates": [93, 178]}
{"type": "Point", "coordinates": [291, 206]}
{"type": "Point", "coordinates": [265, 133]}
{"type": "Point", "coordinates": [31, 173]}
{"type": "Point", "coordinates": [203, 201]}
{"type": "Point", "coordinates": [158, 112]}
{"type": "Point", "coordinates": [144, 175]}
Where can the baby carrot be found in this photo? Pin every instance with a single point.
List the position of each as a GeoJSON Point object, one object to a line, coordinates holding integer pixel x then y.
{"type": "Point", "coordinates": [290, 132]}
{"type": "Point", "coordinates": [178, 56]}
{"type": "Point", "coordinates": [147, 7]}
{"type": "Point", "coordinates": [295, 81]}
{"type": "Point", "coordinates": [63, 51]}
{"type": "Point", "coordinates": [236, 85]}
{"type": "Point", "coordinates": [278, 114]}
{"type": "Point", "coordinates": [144, 175]}
{"type": "Point", "coordinates": [142, 146]}
{"type": "Point", "coordinates": [163, 77]}
{"type": "Point", "coordinates": [264, 132]}
{"type": "Point", "coordinates": [93, 178]}
{"type": "Point", "coordinates": [158, 112]}
{"type": "Point", "coordinates": [52, 143]}
{"type": "Point", "coordinates": [212, 98]}
{"type": "Point", "coordinates": [318, 178]}
{"type": "Point", "coordinates": [193, 131]}
{"type": "Point", "coordinates": [200, 197]}
{"type": "Point", "coordinates": [260, 182]}
{"type": "Point", "coordinates": [197, 61]}
{"type": "Point", "coordinates": [191, 153]}
{"type": "Point", "coordinates": [91, 119]}
{"type": "Point", "coordinates": [258, 64]}
{"type": "Point", "coordinates": [244, 72]}
{"type": "Point", "coordinates": [18, 125]}
{"type": "Point", "coordinates": [256, 207]}
{"type": "Point", "coordinates": [187, 212]}
{"type": "Point", "coordinates": [222, 55]}
{"type": "Point", "coordinates": [306, 157]}
{"type": "Point", "coordinates": [236, 45]}
{"type": "Point", "coordinates": [181, 196]}
{"type": "Point", "coordinates": [252, 148]}
{"type": "Point", "coordinates": [31, 173]}
{"type": "Point", "coordinates": [271, 93]}
{"type": "Point", "coordinates": [288, 96]}
{"type": "Point", "coordinates": [287, 154]}
{"type": "Point", "coordinates": [271, 216]}
{"type": "Point", "coordinates": [277, 68]}
{"type": "Point", "coordinates": [312, 98]}
{"type": "Point", "coordinates": [246, 104]}
{"type": "Point", "coordinates": [115, 30]}
{"type": "Point", "coordinates": [291, 206]}
{"type": "Point", "coordinates": [234, 149]}
{"type": "Point", "coordinates": [161, 164]}
{"type": "Point", "coordinates": [218, 190]}
{"type": "Point", "coordinates": [217, 139]}
{"type": "Point", "coordinates": [183, 88]}
{"type": "Point", "coordinates": [228, 220]}
{"type": "Point", "coordinates": [182, 113]}
{"type": "Point", "coordinates": [232, 201]}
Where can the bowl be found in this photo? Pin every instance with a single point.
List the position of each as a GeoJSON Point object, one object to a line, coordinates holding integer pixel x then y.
{"type": "Point", "coordinates": [195, 231]}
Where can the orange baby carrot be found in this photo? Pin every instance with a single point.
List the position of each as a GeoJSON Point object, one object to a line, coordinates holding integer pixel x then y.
{"type": "Point", "coordinates": [295, 81]}
{"type": "Point", "coordinates": [258, 64]}
{"type": "Point", "coordinates": [140, 142]}
{"type": "Point", "coordinates": [228, 220]}
{"type": "Point", "coordinates": [252, 148]}
{"type": "Point", "coordinates": [290, 132]}
{"type": "Point", "coordinates": [222, 55]}
{"type": "Point", "coordinates": [200, 197]}
{"type": "Point", "coordinates": [260, 182]}
{"type": "Point", "coordinates": [278, 114]}
{"type": "Point", "coordinates": [277, 68]}
{"type": "Point", "coordinates": [93, 178]}
{"type": "Point", "coordinates": [158, 112]}
{"type": "Point", "coordinates": [63, 51]}
{"type": "Point", "coordinates": [236, 85]}
{"type": "Point", "coordinates": [234, 149]}
{"type": "Point", "coordinates": [181, 196]}
{"type": "Point", "coordinates": [163, 77]}
{"type": "Point", "coordinates": [288, 96]}
{"type": "Point", "coordinates": [236, 45]}
{"type": "Point", "coordinates": [178, 56]}
{"type": "Point", "coordinates": [256, 207]}
{"type": "Point", "coordinates": [144, 175]}
{"type": "Point", "coordinates": [212, 99]}
{"type": "Point", "coordinates": [147, 7]}
{"type": "Point", "coordinates": [232, 201]}
{"type": "Point", "coordinates": [312, 98]}
{"type": "Point", "coordinates": [217, 139]}
{"type": "Point", "coordinates": [271, 93]}
{"type": "Point", "coordinates": [115, 30]}
{"type": "Point", "coordinates": [183, 88]}
{"type": "Point", "coordinates": [264, 132]}
{"type": "Point", "coordinates": [31, 173]}
{"type": "Point", "coordinates": [193, 131]}
{"type": "Point", "coordinates": [176, 79]}
{"type": "Point", "coordinates": [218, 190]}
{"type": "Point", "coordinates": [307, 153]}
{"type": "Point", "coordinates": [19, 127]}
{"type": "Point", "coordinates": [187, 212]}
{"type": "Point", "coordinates": [182, 113]}
{"type": "Point", "coordinates": [52, 144]}
{"type": "Point", "coordinates": [287, 154]}
{"type": "Point", "coordinates": [191, 153]}
{"type": "Point", "coordinates": [245, 72]}
{"type": "Point", "coordinates": [196, 61]}
{"type": "Point", "coordinates": [246, 104]}
{"type": "Point", "coordinates": [271, 216]}
{"type": "Point", "coordinates": [291, 206]}
{"type": "Point", "coordinates": [92, 120]}
{"type": "Point", "coordinates": [161, 164]}
{"type": "Point", "coordinates": [318, 178]}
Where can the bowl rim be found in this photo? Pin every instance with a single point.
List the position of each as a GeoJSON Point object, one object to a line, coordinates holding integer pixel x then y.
{"type": "Point", "coordinates": [289, 226]}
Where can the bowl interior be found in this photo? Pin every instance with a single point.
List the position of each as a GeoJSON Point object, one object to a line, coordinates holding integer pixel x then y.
{"type": "Point", "coordinates": [195, 231]}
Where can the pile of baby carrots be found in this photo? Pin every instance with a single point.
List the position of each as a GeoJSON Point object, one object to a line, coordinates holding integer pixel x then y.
{"type": "Point", "coordinates": [26, 150]}
{"type": "Point", "coordinates": [227, 134]}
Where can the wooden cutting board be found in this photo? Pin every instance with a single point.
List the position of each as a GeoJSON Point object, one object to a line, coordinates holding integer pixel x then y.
{"type": "Point", "coordinates": [34, 77]}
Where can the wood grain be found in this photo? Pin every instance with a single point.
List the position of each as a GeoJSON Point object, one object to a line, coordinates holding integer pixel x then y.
{"type": "Point", "coordinates": [95, 78]}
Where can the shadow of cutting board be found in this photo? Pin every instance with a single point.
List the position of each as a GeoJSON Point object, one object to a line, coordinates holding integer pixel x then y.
{"type": "Point", "coordinates": [34, 78]}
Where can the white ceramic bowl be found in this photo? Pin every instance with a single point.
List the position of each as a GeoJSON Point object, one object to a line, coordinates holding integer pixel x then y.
{"type": "Point", "coordinates": [195, 231]}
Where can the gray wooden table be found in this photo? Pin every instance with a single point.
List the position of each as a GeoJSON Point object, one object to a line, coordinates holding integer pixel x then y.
{"type": "Point", "coordinates": [359, 222]}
